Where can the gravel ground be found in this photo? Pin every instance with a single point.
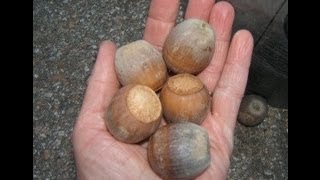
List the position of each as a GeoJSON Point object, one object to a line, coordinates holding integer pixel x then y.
{"type": "Point", "coordinates": [66, 36]}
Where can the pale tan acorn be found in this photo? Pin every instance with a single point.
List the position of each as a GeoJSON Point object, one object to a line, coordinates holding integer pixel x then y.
{"type": "Point", "coordinates": [179, 151]}
{"type": "Point", "coordinates": [189, 47]}
{"type": "Point", "coordinates": [140, 63]}
{"type": "Point", "coordinates": [184, 98]}
{"type": "Point", "coordinates": [134, 113]}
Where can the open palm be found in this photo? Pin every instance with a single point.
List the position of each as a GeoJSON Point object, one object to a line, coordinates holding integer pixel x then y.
{"type": "Point", "coordinates": [99, 156]}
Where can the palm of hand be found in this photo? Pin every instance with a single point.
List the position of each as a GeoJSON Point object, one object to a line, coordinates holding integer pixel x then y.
{"type": "Point", "coordinates": [99, 156]}
{"type": "Point", "coordinates": [106, 158]}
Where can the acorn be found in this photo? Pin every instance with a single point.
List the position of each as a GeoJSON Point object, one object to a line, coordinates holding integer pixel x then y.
{"type": "Point", "coordinates": [184, 98]}
{"type": "Point", "coordinates": [253, 110]}
{"type": "Point", "coordinates": [179, 151]}
{"type": "Point", "coordinates": [134, 113]}
{"type": "Point", "coordinates": [140, 63]}
{"type": "Point", "coordinates": [189, 47]}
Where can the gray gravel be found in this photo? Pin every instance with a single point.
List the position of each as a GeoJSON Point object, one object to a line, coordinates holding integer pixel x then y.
{"type": "Point", "coordinates": [261, 152]}
{"type": "Point", "coordinates": [66, 36]}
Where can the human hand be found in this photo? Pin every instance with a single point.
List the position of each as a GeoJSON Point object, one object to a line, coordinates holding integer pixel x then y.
{"type": "Point", "coordinates": [99, 156]}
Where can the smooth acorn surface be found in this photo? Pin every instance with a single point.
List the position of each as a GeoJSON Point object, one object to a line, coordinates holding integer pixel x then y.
{"type": "Point", "coordinates": [140, 63]}
{"type": "Point", "coordinates": [189, 47]}
{"type": "Point", "coordinates": [253, 110]}
{"type": "Point", "coordinates": [184, 98]}
{"type": "Point", "coordinates": [179, 151]}
{"type": "Point", "coordinates": [134, 113]}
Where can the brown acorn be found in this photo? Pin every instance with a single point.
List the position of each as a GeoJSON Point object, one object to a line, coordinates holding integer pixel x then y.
{"type": "Point", "coordinates": [134, 113]}
{"type": "Point", "coordinates": [140, 63]}
{"type": "Point", "coordinates": [189, 47]}
{"type": "Point", "coordinates": [179, 151]}
{"type": "Point", "coordinates": [253, 110]}
{"type": "Point", "coordinates": [184, 98]}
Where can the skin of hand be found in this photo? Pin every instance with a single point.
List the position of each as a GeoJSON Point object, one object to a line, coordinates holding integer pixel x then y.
{"type": "Point", "coordinates": [99, 156]}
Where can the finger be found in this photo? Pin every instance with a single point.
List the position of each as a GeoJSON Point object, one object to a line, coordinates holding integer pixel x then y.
{"type": "Point", "coordinates": [199, 9]}
{"type": "Point", "coordinates": [162, 17]}
{"type": "Point", "coordinates": [231, 86]}
{"type": "Point", "coordinates": [221, 20]}
{"type": "Point", "coordinates": [102, 83]}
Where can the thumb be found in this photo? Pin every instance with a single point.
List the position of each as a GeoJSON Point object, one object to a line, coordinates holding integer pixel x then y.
{"type": "Point", "coordinates": [102, 83]}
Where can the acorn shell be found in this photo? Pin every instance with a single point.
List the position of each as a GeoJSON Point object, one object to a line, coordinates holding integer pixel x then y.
{"type": "Point", "coordinates": [134, 113]}
{"type": "Point", "coordinates": [189, 47]}
{"type": "Point", "coordinates": [140, 63]}
{"type": "Point", "coordinates": [179, 151]}
{"type": "Point", "coordinates": [253, 110]}
{"type": "Point", "coordinates": [184, 98]}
